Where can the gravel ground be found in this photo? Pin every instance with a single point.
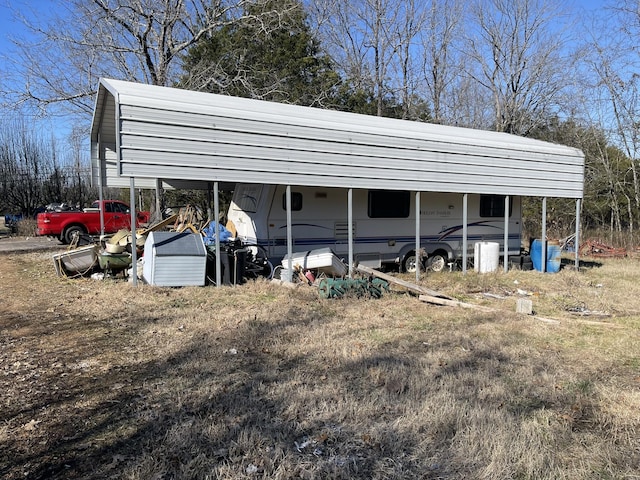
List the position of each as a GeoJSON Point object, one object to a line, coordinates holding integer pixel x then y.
{"type": "Point", "coordinates": [27, 244]}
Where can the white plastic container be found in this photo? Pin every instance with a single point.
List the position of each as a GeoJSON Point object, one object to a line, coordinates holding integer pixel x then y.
{"type": "Point", "coordinates": [486, 256]}
{"type": "Point", "coordinates": [322, 259]}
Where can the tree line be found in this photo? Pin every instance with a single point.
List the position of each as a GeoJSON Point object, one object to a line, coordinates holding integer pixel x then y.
{"type": "Point", "coordinates": [35, 170]}
{"type": "Point", "coordinates": [525, 67]}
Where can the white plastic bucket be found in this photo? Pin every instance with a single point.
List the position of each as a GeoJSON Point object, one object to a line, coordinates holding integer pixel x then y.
{"type": "Point", "coordinates": [486, 256]}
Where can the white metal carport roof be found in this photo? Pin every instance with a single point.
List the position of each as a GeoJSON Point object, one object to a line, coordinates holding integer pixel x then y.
{"type": "Point", "coordinates": [149, 132]}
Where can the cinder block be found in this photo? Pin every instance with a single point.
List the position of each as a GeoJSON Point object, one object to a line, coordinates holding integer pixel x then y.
{"type": "Point", "coordinates": [525, 306]}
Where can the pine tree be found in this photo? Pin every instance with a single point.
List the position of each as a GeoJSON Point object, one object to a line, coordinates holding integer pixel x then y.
{"type": "Point", "coordinates": [269, 54]}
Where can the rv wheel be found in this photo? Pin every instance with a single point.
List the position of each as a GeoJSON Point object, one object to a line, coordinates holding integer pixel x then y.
{"type": "Point", "coordinates": [409, 263]}
{"type": "Point", "coordinates": [437, 262]}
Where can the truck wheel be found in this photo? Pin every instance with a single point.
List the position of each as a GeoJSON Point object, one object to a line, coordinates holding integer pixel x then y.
{"type": "Point", "coordinates": [71, 232]}
{"type": "Point", "coordinates": [437, 261]}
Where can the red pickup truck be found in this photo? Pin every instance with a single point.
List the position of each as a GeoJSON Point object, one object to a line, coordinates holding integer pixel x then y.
{"type": "Point", "coordinates": [65, 225]}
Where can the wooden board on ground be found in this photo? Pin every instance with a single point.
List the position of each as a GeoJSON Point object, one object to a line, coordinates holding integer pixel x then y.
{"type": "Point", "coordinates": [453, 303]}
{"type": "Point", "coordinates": [408, 285]}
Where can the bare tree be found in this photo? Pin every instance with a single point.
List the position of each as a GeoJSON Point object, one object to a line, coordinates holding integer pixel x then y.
{"type": "Point", "coordinates": [377, 17]}
{"type": "Point", "coordinates": [411, 18]}
{"type": "Point", "coordinates": [26, 160]}
{"type": "Point", "coordinates": [441, 65]}
{"type": "Point", "coordinates": [515, 51]}
{"type": "Point", "coordinates": [75, 42]}
{"type": "Point", "coordinates": [78, 187]}
{"type": "Point", "coordinates": [612, 57]}
{"type": "Point", "coordinates": [360, 37]}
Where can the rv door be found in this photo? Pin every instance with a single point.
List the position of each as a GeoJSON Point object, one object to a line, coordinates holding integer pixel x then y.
{"type": "Point", "coordinates": [245, 210]}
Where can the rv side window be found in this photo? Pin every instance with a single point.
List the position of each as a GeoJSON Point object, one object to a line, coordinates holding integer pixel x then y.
{"type": "Point", "coordinates": [296, 201]}
{"type": "Point", "coordinates": [493, 206]}
{"type": "Point", "coordinates": [389, 204]}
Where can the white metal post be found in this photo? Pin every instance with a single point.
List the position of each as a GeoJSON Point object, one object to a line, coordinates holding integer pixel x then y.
{"type": "Point", "coordinates": [216, 213]}
{"type": "Point", "coordinates": [543, 253]}
{"type": "Point", "coordinates": [134, 242]}
{"type": "Point", "coordinates": [418, 236]}
{"type": "Point", "coordinates": [465, 205]}
{"type": "Point", "coordinates": [158, 216]}
{"type": "Point", "coordinates": [101, 186]}
{"type": "Point", "coordinates": [350, 234]}
{"type": "Point", "coordinates": [576, 242]}
{"type": "Point", "coordinates": [289, 274]}
{"type": "Point", "coordinates": [506, 233]}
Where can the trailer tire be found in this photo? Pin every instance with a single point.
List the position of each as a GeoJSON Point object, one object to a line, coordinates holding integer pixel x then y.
{"type": "Point", "coordinates": [437, 261]}
{"type": "Point", "coordinates": [409, 263]}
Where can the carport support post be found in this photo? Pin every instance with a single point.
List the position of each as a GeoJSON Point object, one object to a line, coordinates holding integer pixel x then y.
{"type": "Point", "coordinates": [418, 236]}
{"type": "Point", "coordinates": [158, 216]}
{"type": "Point", "coordinates": [350, 234]}
{"type": "Point", "coordinates": [209, 214]}
{"type": "Point", "coordinates": [465, 205]}
{"type": "Point", "coordinates": [100, 187]}
{"type": "Point", "coordinates": [134, 242]}
{"type": "Point", "coordinates": [216, 212]}
{"type": "Point", "coordinates": [101, 198]}
{"type": "Point", "coordinates": [543, 249]}
{"type": "Point", "coordinates": [289, 273]}
{"type": "Point", "coordinates": [576, 242]}
{"type": "Point", "coordinates": [506, 234]}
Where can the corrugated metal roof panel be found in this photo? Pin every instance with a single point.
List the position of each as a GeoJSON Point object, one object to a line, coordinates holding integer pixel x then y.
{"type": "Point", "coordinates": [436, 183]}
{"type": "Point", "coordinates": [184, 135]}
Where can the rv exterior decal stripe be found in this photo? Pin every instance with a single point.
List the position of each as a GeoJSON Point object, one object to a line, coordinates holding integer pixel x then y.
{"type": "Point", "coordinates": [300, 241]}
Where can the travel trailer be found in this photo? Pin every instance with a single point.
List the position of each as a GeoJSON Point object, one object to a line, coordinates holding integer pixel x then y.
{"type": "Point", "coordinates": [384, 223]}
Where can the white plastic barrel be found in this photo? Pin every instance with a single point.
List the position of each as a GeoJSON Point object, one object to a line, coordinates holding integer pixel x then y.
{"type": "Point", "coordinates": [486, 256]}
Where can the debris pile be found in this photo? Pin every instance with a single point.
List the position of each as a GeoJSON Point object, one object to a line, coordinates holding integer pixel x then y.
{"type": "Point", "coordinates": [598, 249]}
{"type": "Point", "coordinates": [112, 254]}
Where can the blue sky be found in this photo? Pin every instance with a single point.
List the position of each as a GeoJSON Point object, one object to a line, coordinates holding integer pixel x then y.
{"type": "Point", "coordinates": [10, 27]}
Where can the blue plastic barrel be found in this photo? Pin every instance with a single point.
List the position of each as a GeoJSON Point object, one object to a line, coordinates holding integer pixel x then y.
{"type": "Point", "coordinates": [553, 256]}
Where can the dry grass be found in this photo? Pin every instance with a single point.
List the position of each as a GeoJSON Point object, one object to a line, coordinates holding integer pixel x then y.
{"type": "Point", "coordinates": [100, 380]}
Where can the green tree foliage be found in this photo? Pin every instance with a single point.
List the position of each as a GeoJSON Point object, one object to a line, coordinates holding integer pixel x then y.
{"type": "Point", "coordinates": [351, 98]}
{"type": "Point", "coordinates": [268, 53]}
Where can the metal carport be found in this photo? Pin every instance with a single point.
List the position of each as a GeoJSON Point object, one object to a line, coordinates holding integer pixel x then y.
{"type": "Point", "coordinates": [143, 135]}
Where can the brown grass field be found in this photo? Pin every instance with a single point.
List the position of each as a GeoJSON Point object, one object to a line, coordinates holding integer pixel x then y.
{"type": "Point", "coordinates": [100, 380]}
